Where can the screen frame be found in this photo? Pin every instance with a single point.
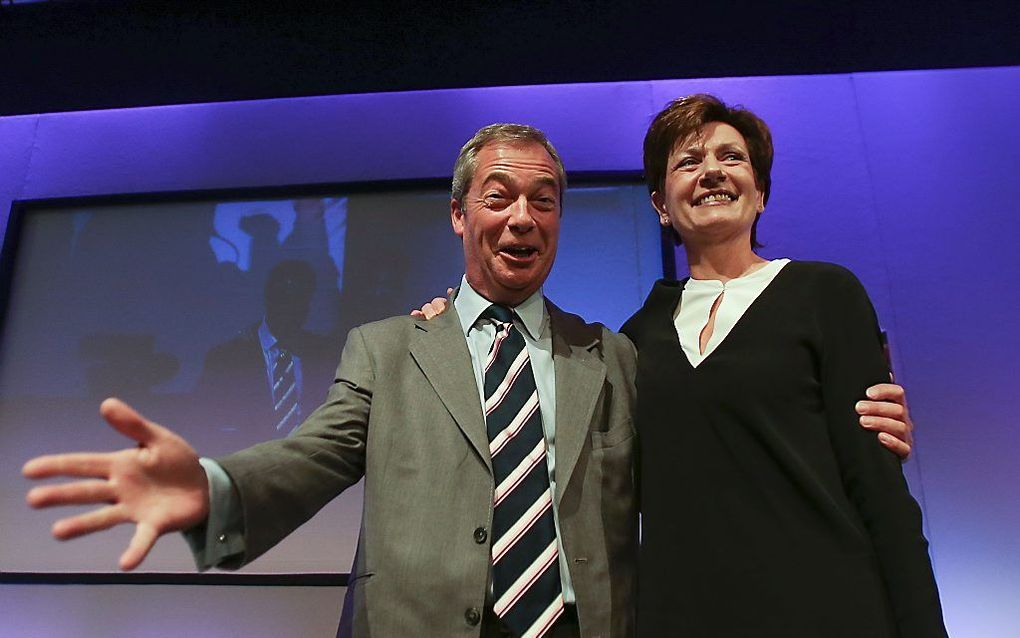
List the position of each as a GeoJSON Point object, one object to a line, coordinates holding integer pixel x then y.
{"type": "Point", "coordinates": [21, 209]}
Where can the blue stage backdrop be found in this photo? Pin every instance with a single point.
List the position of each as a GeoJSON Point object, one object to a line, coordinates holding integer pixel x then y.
{"type": "Point", "coordinates": [908, 178]}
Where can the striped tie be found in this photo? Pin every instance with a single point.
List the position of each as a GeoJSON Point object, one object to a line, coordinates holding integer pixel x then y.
{"type": "Point", "coordinates": [286, 393]}
{"type": "Point", "coordinates": [525, 563]}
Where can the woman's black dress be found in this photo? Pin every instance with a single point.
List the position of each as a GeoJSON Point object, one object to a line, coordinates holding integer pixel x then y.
{"type": "Point", "coordinates": [766, 509]}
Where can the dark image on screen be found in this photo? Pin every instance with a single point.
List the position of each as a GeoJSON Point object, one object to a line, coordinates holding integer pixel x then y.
{"type": "Point", "coordinates": [221, 318]}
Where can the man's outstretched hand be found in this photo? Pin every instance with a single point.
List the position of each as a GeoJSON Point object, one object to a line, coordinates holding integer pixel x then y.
{"type": "Point", "coordinates": [159, 484]}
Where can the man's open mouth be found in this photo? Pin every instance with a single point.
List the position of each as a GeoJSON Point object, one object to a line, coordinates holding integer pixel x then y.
{"type": "Point", "coordinates": [519, 252]}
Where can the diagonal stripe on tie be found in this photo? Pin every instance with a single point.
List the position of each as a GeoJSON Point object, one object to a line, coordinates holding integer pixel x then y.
{"type": "Point", "coordinates": [527, 411]}
{"type": "Point", "coordinates": [525, 565]}
{"type": "Point", "coordinates": [534, 459]}
{"type": "Point", "coordinates": [285, 392]}
{"type": "Point", "coordinates": [507, 541]}
{"type": "Point", "coordinates": [502, 391]}
{"type": "Point", "coordinates": [545, 620]}
{"type": "Point", "coordinates": [531, 622]}
{"type": "Point", "coordinates": [531, 573]}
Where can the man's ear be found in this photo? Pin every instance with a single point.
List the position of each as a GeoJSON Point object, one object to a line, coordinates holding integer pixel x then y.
{"type": "Point", "coordinates": [659, 202]}
{"type": "Point", "coordinates": [457, 217]}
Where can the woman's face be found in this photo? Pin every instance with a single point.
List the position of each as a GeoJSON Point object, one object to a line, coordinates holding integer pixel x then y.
{"type": "Point", "coordinates": [709, 193]}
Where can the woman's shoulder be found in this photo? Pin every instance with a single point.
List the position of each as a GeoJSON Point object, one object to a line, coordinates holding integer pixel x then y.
{"type": "Point", "coordinates": [829, 286]}
{"type": "Point", "coordinates": [822, 273]}
{"type": "Point", "coordinates": [662, 298]}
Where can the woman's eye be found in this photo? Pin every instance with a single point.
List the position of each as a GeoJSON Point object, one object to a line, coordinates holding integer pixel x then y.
{"type": "Point", "coordinates": [734, 156]}
{"type": "Point", "coordinates": [687, 162]}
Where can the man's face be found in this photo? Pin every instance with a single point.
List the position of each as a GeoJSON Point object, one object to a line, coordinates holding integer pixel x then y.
{"type": "Point", "coordinates": [509, 221]}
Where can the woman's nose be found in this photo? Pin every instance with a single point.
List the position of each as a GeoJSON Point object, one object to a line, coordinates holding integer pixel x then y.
{"type": "Point", "coordinates": [713, 172]}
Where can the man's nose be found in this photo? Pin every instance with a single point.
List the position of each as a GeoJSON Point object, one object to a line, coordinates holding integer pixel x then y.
{"type": "Point", "coordinates": [520, 214]}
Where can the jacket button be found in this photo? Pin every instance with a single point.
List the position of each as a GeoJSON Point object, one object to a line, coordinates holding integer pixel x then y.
{"type": "Point", "coordinates": [481, 535]}
{"type": "Point", "coordinates": [472, 616]}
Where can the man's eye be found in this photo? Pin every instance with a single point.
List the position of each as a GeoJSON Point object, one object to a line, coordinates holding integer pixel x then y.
{"type": "Point", "coordinates": [544, 203]}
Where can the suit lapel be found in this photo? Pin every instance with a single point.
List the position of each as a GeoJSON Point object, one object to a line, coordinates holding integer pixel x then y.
{"type": "Point", "coordinates": [579, 378]}
{"type": "Point", "coordinates": [442, 354]}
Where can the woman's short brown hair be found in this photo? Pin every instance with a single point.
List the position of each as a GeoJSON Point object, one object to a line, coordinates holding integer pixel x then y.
{"type": "Point", "coordinates": [684, 117]}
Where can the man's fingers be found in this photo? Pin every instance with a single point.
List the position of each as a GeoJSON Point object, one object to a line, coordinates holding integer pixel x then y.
{"type": "Point", "coordinates": [144, 538]}
{"type": "Point", "coordinates": [435, 307]}
{"type": "Point", "coordinates": [128, 422]}
{"type": "Point", "coordinates": [94, 521]}
{"type": "Point", "coordinates": [90, 464]}
{"type": "Point", "coordinates": [896, 446]}
{"type": "Point", "coordinates": [890, 426]}
{"type": "Point", "coordinates": [886, 392]}
{"type": "Point", "coordinates": [880, 409]}
{"type": "Point", "coordinates": [77, 493]}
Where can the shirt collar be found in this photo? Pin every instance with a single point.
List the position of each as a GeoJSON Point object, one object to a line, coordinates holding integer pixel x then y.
{"type": "Point", "coordinates": [266, 338]}
{"type": "Point", "coordinates": [470, 305]}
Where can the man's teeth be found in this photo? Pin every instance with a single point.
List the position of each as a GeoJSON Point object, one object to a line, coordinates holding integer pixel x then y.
{"type": "Point", "coordinates": [519, 252]}
{"type": "Point", "coordinates": [718, 197]}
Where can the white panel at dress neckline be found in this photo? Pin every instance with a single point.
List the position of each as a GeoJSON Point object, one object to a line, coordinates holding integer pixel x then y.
{"type": "Point", "coordinates": [699, 295]}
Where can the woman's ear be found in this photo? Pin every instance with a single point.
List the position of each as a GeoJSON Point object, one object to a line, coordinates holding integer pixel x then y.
{"type": "Point", "coordinates": [659, 203]}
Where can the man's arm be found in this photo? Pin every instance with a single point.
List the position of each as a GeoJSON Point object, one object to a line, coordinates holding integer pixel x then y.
{"type": "Point", "coordinates": [219, 540]}
{"type": "Point", "coordinates": [883, 410]}
{"type": "Point", "coordinates": [159, 485]}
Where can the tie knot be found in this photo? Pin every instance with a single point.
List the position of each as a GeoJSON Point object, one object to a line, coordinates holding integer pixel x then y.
{"type": "Point", "coordinates": [499, 313]}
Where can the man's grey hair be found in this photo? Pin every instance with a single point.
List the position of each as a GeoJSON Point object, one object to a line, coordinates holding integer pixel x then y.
{"type": "Point", "coordinates": [512, 134]}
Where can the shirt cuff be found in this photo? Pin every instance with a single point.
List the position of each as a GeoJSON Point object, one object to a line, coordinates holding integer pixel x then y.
{"type": "Point", "coordinates": [221, 536]}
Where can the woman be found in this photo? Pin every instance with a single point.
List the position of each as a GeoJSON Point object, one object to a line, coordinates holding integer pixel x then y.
{"type": "Point", "coordinates": [766, 510]}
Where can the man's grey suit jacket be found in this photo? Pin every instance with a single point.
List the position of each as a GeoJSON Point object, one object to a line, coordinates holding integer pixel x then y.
{"type": "Point", "coordinates": [404, 413]}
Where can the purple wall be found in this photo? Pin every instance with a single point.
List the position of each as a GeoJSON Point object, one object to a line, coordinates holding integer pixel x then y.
{"type": "Point", "coordinates": [908, 178]}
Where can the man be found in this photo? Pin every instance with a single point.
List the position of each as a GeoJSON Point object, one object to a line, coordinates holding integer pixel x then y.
{"type": "Point", "coordinates": [552, 448]}
{"type": "Point", "coordinates": [263, 382]}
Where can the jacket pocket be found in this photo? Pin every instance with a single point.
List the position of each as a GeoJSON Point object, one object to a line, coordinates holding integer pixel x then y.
{"type": "Point", "coordinates": [615, 436]}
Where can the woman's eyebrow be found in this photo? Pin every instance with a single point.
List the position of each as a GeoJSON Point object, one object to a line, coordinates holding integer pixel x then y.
{"type": "Point", "coordinates": [731, 146]}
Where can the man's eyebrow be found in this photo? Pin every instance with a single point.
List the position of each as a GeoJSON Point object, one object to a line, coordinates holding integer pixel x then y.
{"type": "Point", "coordinates": [507, 179]}
{"type": "Point", "coordinates": [547, 180]}
{"type": "Point", "coordinates": [503, 177]}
